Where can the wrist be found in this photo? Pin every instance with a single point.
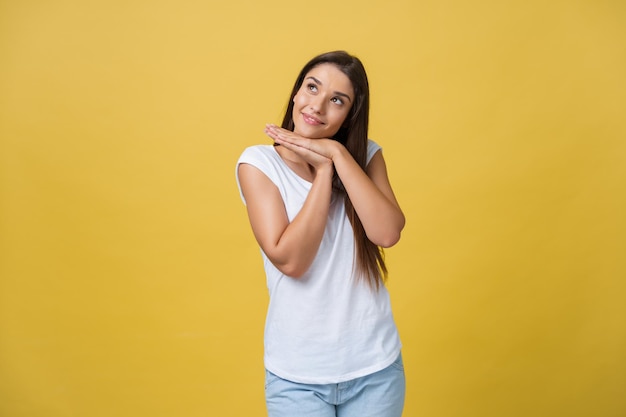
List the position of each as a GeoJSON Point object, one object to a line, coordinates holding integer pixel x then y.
{"type": "Point", "coordinates": [337, 149]}
{"type": "Point", "coordinates": [340, 153]}
{"type": "Point", "coordinates": [325, 169]}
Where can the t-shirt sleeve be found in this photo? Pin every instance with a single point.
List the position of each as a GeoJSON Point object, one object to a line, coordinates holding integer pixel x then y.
{"type": "Point", "coordinates": [372, 148]}
{"type": "Point", "coordinates": [258, 157]}
{"type": "Point", "coordinates": [247, 157]}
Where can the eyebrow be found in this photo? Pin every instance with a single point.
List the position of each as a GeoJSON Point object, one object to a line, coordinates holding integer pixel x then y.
{"type": "Point", "coordinates": [339, 93]}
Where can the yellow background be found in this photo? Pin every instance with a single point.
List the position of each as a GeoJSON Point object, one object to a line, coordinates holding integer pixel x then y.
{"type": "Point", "coordinates": [130, 284]}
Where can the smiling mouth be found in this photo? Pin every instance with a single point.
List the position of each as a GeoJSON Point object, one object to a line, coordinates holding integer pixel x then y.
{"type": "Point", "coordinates": [311, 120]}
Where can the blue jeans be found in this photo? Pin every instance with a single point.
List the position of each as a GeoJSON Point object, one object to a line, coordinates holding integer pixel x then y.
{"type": "Point", "coordinates": [380, 394]}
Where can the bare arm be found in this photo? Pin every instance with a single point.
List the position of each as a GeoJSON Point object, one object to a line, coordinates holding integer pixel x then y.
{"type": "Point", "coordinates": [372, 197]}
{"type": "Point", "coordinates": [290, 246]}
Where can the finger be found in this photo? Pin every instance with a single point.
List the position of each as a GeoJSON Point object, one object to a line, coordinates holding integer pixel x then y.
{"type": "Point", "coordinates": [269, 133]}
{"type": "Point", "coordinates": [282, 132]}
{"type": "Point", "coordinates": [272, 133]}
{"type": "Point", "coordinates": [276, 129]}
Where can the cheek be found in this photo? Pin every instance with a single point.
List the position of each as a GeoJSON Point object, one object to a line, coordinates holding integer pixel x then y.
{"type": "Point", "coordinates": [299, 100]}
{"type": "Point", "coordinates": [341, 117]}
{"type": "Point", "coordinates": [296, 108]}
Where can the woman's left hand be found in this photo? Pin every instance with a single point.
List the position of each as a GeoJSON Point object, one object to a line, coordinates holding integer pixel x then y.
{"type": "Point", "coordinates": [327, 148]}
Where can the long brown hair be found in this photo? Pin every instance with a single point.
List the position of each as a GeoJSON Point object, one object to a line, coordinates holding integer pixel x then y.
{"type": "Point", "coordinates": [369, 258]}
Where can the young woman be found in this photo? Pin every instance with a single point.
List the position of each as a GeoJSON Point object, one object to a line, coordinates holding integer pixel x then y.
{"type": "Point", "coordinates": [321, 208]}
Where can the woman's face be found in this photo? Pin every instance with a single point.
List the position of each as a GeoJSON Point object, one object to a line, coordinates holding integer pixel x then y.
{"type": "Point", "coordinates": [323, 102]}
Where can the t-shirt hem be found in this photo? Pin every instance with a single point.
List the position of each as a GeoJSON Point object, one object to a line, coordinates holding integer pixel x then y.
{"type": "Point", "coordinates": [334, 379]}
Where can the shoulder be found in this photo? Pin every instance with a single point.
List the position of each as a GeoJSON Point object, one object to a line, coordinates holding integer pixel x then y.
{"type": "Point", "coordinates": [259, 156]}
{"type": "Point", "coordinates": [263, 157]}
{"type": "Point", "coordinates": [266, 161]}
{"type": "Point", "coordinates": [255, 153]}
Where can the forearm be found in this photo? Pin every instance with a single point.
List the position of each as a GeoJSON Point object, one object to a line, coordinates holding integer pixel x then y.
{"type": "Point", "coordinates": [378, 211]}
{"type": "Point", "coordinates": [297, 246]}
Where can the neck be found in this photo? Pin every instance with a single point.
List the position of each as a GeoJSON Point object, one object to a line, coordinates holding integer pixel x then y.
{"type": "Point", "coordinates": [290, 156]}
{"type": "Point", "coordinates": [296, 163]}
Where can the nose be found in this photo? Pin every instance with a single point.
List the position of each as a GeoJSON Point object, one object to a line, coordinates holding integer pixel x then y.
{"type": "Point", "coordinates": [317, 104]}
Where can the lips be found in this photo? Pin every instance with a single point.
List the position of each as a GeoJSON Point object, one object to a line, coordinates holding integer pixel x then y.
{"type": "Point", "coordinates": [311, 120]}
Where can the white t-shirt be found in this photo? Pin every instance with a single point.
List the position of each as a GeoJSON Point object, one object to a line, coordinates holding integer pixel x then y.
{"type": "Point", "coordinates": [326, 326]}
